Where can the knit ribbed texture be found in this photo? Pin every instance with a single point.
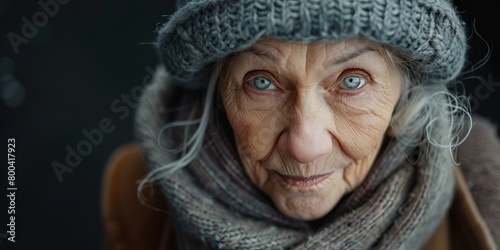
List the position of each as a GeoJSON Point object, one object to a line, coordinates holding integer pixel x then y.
{"type": "Point", "coordinates": [202, 32]}
{"type": "Point", "coordinates": [215, 205]}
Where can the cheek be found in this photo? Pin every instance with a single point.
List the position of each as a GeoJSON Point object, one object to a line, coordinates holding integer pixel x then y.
{"type": "Point", "coordinates": [255, 130]}
{"type": "Point", "coordinates": [362, 120]}
{"type": "Point", "coordinates": [254, 136]}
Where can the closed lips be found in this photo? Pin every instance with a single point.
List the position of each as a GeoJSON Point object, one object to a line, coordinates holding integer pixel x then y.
{"type": "Point", "coordinates": [302, 182]}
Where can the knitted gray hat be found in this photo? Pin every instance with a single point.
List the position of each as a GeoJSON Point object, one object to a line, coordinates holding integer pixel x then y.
{"type": "Point", "coordinates": [202, 32]}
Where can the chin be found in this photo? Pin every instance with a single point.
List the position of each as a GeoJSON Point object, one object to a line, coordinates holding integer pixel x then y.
{"type": "Point", "coordinates": [306, 209]}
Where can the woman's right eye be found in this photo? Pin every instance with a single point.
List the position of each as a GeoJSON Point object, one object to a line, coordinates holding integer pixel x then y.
{"type": "Point", "coordinates": [262, 83]}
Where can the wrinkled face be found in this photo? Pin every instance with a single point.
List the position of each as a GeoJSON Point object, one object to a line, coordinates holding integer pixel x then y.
{"type": "Point", "coordinates": [309, 119]}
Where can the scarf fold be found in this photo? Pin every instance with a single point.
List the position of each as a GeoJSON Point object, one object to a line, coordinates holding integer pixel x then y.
{"type": "Point", "coordinates": [215, 206]}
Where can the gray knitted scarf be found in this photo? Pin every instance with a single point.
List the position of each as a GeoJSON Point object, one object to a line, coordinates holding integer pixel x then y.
{"type": "Point", "coordinates": [215, 206]}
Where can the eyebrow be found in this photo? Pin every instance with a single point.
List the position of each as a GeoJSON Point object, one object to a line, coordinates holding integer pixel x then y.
{"type": "Point", "coordinates": [339, 60]}
{"type": "Point", "coordinates": [261, 52]}
{"type": "Point", "coordinates": [351, 55]}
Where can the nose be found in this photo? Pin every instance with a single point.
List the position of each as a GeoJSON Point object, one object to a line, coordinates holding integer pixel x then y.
{"type": "Point", "coordinates": [307, 136]}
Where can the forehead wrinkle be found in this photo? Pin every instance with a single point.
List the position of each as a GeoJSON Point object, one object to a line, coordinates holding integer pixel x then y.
{"type": "Point", "coordinates": [319, 53]}
{"type": "Point", "coordinates": [302, 61]}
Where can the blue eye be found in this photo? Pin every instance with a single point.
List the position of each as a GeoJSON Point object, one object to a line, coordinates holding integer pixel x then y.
{"type": "Point", "coordinates": [352, 82]}
{"type": "Point", "coordinates": [262, 83]}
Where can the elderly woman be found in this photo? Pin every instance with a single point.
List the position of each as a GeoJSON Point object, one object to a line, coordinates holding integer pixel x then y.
{"type": "Point", "coordinates": [306, 124]}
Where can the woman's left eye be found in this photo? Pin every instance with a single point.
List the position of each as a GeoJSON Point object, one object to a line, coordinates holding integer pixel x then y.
{"type": "Point", "coordinates": [352, 82]}
{"type": "Point", "coordinates": [262, 83]}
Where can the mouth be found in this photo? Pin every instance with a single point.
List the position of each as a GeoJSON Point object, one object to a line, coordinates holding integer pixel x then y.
{"type": "Point", "coordinates": [302, 183]}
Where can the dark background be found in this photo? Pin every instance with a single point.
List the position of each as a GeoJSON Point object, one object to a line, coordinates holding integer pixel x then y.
{"type": "Point", "coordinates": [86, 56]}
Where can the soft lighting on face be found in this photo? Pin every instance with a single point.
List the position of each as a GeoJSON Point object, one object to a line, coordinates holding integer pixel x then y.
{"type": "Point", "coordinates": [308, 119]}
